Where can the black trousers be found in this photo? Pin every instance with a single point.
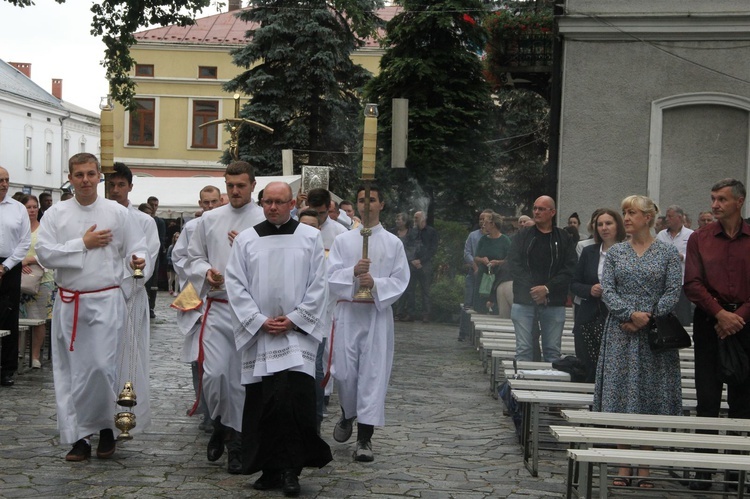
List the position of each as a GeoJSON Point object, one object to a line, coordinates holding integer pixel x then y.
{"type": "Point", "coordinates": [422, 278]}
{"type": "Point", "coordinates": [708, 384]}
{"type": "Point", "coordinates": [10, 300]}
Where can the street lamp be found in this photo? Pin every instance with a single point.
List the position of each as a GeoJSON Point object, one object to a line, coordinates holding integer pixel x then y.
{"type": "Point", "coordinates": [107, 139]}
{"type": "Point", "coordinates": [369, 149]}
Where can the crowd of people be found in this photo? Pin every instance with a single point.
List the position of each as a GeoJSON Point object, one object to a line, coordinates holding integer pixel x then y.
{"type": "Point", "coordinates": [262, 290]}
{"type": "Point", "coordinates": [635, 267]}
{"type": "Point", "coordinates": [274, 301]}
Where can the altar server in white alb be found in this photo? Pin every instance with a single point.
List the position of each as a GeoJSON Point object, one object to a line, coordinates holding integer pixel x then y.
{"type": "Point", "coordinates": [362, 336]}
{"type": "Point", "coordinates": [276, 282]}
{"type": "Point", "coordinates": [85, 241]}
{"type": "Point", "coordinates": [189, 321]}
{"type": "Point", "coordinates": [208, 254]}
{"type": "Point", "coordinates": [138, 326]}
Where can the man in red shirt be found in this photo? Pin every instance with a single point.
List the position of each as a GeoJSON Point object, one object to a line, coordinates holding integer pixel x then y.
{"type": "Point", "coordinates": [717, 280]}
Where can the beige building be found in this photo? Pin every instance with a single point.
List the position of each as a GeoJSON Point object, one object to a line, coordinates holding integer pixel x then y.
{"type": "Point", "coordinates": [179, 76]}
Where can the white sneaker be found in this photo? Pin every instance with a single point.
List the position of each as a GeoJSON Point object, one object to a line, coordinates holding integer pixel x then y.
{"type": "Point", "coordinates": [363, 452]}
{"type": "Point", "coordinates": [35, 364]}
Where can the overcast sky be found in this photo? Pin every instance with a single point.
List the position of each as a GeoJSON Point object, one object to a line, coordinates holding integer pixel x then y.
{"type": "Point", "coordinates": [55, 39]}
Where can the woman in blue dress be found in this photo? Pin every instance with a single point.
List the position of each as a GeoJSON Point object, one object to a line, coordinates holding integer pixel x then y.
{"type": "Point", "coordinates": [641, 277]}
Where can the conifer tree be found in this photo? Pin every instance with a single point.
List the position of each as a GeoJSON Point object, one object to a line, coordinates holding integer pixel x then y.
{"type": "Point", "coordinates": [431, 58]}
{"type": "Point", "coordinates": [303, 83]}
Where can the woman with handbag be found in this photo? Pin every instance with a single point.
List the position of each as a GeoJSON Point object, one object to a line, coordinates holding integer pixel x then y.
{"type": "Point", "coordinates": [640, 277]}
{"type": "Point", "coordinates": [591, 313]}
{"type": "Point", "coordinates": [35, 278]}
{"type": "Point", "coordinates": [492, 250]}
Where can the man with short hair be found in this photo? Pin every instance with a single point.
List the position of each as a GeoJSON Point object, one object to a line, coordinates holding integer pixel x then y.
{"type": "Point", "coordinates": [320, 200]}
{"type": "Point", "coordinates": [152, 285]}
{"type": "Point", "coordinates": [278, 312]}
{"type": "Point", "coordinates": [362, 339]}
{"type": "Point", "coordinates": [208, 254]}
{"type": "Point", "coordinates": [677, 235]}
{"type": "Point", "coordinates": [705, 218]}
{"type": "Point", "coordinates": [189, 321]}
{"type": "Point", "coordinates": [338, 215]}
{"type": "Point", "coordinates": [717, 280]}
{"type": "Point", "coordinates": [45, 201]}
{"type": "Point", "coordinates": [421, 266]}
{"type": "Point", "coordinates": [85, 241]}
{"type": "Point", "coordinates": [348, 208]}
{"type": "Point", "coordinates": [15, 239]}
{"type": "Point", "coordinates": [542, 259]}
{"type": "Point", "coordinates": [120, 185]}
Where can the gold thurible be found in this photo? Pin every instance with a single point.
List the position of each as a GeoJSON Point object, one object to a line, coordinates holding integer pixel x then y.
{"type": "Point", "coordinates": [125, 420]}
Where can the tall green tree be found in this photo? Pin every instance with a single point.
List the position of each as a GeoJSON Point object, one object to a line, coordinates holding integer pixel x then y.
{"type": "Point", "coordinates": [116, 21]}
{"type": "Point", "coordinates": [431, 58]}
{"type": "Point", "coordinates": [303, 83]}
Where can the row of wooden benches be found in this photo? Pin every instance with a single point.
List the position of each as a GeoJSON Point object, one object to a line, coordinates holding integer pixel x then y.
{"type": "Point", "coordinates": [537, 385]}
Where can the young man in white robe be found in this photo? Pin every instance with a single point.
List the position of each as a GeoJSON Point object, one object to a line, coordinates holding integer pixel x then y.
{"type": "Point", "coordinates": [362, 337]}
{"type": "Point", "coordinates": [85, 241]}
{"type": "Point", "coordinates": [189, 321]}
{"type": "Point", "coordinates": [276, 282]}
{"type": "Point", "coordinates": [208, 254]}
{"type": "Point", "coordinates": [138, 325]}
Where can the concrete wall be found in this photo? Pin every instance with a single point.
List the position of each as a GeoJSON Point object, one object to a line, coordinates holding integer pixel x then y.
{"type": "Point", "coordinates": [657, 6]}
{"type": "Point", "coordinates": [608, 133]}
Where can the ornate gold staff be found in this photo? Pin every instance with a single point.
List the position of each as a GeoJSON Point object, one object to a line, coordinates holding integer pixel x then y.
{"type": "Point", "coordinates": [369, 148]}
{"type": "Point", "coordinates": [234, 125]}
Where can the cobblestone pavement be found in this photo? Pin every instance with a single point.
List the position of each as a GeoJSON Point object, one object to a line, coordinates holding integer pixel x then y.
{"type": "Point", "coordinates": [444, 437]}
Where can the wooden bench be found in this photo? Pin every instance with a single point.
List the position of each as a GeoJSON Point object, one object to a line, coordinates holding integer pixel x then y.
{"type": "Point", "coordinates": [634, 457]}
{"type": "Point", "coordinates": [655, 421]}
{"type": "Point", "coordinates": [588, 436]}
{"type": "Point", "coordinates": [530, 402]}
{"type": "Point", "coordinates": [24, 327]}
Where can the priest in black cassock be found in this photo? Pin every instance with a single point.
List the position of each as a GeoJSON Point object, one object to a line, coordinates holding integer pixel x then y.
{"type": "Point", "coordinates": [277, 288]}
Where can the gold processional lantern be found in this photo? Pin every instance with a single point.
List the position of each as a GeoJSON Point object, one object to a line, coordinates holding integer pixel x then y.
{"type": "Point", "coordinates": [369, 148]}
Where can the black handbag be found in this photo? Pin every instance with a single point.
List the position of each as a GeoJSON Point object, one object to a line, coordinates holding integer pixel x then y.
{"type": "Point", "coordinates": [666, 333]}
{"type": "Point", "coordinates": [734, 365]}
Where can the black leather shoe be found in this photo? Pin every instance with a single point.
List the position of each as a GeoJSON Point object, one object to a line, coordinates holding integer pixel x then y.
{"type": "Point", "coordinates": [80, 452]}
{"type": "Point", "coordinates": [269, 480]}
{"type": "Point", "coordinates": [7, 380]}
{"type": "Point", "coordinates": [290, 486]}
{"type": "Point", "coordinates": [702, 485]}
{"type": "Point", "coordinates": [107, 444]}
{"type": "Point", "coordinates": [234, 462]}
{"type": "Point", "coordinates": [215, 447]}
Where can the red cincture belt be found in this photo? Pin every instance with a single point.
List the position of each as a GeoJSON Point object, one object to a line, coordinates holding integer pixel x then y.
{"type": "Point", "coordinates": [74, 297]}
{"type": "Point", "coordinates": [209, 301]}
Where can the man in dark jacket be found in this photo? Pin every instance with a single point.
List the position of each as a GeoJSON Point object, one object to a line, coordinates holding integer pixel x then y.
{"type": "Point", "coordinates": [542, 260]}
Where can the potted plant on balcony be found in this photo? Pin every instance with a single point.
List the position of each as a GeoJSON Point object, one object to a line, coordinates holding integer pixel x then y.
{"type": "Point", "coordinates": [519, 38]}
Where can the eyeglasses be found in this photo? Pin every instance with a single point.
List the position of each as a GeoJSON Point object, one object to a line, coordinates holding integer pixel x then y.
{"type": "Point", "coordinates": [540, 208]}
{"type": "Point", "coordinates": [271, 202]}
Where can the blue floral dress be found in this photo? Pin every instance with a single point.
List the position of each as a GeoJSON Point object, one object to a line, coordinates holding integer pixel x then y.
{"type": "Point", "coordinates": [630, 377]}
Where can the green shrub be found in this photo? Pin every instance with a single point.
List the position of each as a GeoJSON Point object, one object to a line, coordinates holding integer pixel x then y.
{"type": "Point", "coordinates": [447, 294]}
{"type": "Point", "coordinates": [449, 260]}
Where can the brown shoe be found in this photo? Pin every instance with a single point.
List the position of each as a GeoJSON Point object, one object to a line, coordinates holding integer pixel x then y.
{"type": "Point", "coordinates": [80, 451]}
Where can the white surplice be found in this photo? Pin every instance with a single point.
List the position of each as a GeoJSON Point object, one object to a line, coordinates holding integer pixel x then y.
{"type": "Point", "coordinates": [210, 248]}
{"type": "Point", "coordinates": [274, 272]}
{"type": "Point", "coordinates": [188, 322]}
{"type": "Point", "coordinates": [136, 370]}
{"type": "Point", "coordinates": [86, 376]}
{"type": "Point", "coordinates": [363, 332]}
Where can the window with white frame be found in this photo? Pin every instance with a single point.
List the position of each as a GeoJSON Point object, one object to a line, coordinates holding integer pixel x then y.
{"type": "Point", "coordinates": [65, 152]}
{"type": "Point", "coordinates": [28, 143]}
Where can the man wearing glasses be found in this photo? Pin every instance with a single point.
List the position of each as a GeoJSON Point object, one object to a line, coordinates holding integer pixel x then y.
{"type": "Point", "coordinates": [208, 254]}
{"type": "Point", "coordinates": [542, 260]}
